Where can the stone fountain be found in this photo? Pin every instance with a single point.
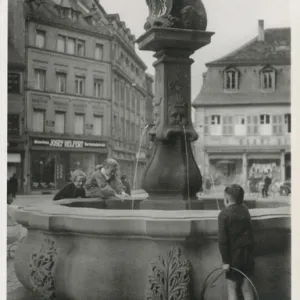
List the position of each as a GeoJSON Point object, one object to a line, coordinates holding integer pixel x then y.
{"type": "Point", "coordinates": [82, 252]}
{"type": "Point", "coordinates": [175, 30]}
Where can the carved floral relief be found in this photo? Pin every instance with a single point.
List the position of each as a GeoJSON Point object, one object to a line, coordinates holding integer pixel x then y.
{"type": "Point", "coordinates": [41, 268]}
{"type": "Point", "coordinates": [169, 277]}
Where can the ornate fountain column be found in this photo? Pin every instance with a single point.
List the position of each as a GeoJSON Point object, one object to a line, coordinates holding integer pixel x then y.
{"type": "Point", "coordinates": [175, 30]}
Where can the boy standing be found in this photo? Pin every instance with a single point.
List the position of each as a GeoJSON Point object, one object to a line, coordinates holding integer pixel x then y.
{"type": "Point", "coordinates": [236, 242]}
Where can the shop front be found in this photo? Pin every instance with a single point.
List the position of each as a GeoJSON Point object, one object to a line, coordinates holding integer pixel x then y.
{"type": "Point", "coordinates": [53, 160]}
{"type": "Point", "coordinates": [15, 162]}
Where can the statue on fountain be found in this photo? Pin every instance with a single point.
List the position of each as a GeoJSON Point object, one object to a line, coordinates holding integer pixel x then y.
{"type": "Point", "coordinates": [183, 14]}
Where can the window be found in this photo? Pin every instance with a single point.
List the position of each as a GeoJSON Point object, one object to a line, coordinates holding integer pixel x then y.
{"type": "Point", "coordinates": [99, 52]}
{"type": "Point", "coordinates": [79, 85]}
{"type": "Point", "coordinates": [79, 124]}
{"type": "Point", "coordinates": [206, 125]}
{"type": "Point", "coordinates": [80, 47]}
{"type": "Point", "coordinates": [132, 132]}
{"type": "Point", "coordinates": [98, 88]}
{"type": "Point", "coordinates": [122, 129]}
{"type": "Point", "coordinates": [227, 125]}
{"type": "Point", "coordinates": [13, 83]}
{"type": "Point", "coordinates": [61, 79]}
{"type": "Point", "coordinates": [71, 46]}
{"type": "Point", "coordinates": [98, 125]}
{"type": "Point", "coordinates": [115, 126]}
{"type": "Point", "coordinates": [61, 43]}
{"type": "Point", "coordinates": [277, 124]}
{"type": "Point", "coordinates": [13, 124]}
{"type": "Point", "coordinates": [127, 130]}
{"type": "Point", "coordinates": [38, 120]}
{"type": "Point", "coordinates": [40, 39]}
{"type": "Point", "coordinates": [60, 118]}
{"type": "Point", "coordinates": [231, 78]}
{"type": "Point", "coordinates": [127, 97]}
{"type": "Point", "coordinates": [133, 96]}
{"type": "Point", "coordinates": [287, 122]}
{"type": "Point", "coordinates": [215, 125]}
{"type": "Point", "coordinates": [39, 76]}
{"type": "Point", "coordinates": [265, 125]}
{"type": "Point", "coordinates": [240, 125]}
{"type": "Point", "coordinates": [252, 125]}
{"type": "Point", "coordinates": [122, 94]}
{"type": "Point", "coordinates": [138, 100]}
{"type": "Point", "coordinates": [267, 79]}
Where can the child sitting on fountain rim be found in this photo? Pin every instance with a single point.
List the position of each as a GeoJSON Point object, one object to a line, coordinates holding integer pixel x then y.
{"type": "Point", "coordinates": [236, 242]}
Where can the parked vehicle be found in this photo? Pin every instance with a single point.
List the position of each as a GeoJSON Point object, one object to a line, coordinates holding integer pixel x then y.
{"type": "Point", "coordinates": [285, 188]}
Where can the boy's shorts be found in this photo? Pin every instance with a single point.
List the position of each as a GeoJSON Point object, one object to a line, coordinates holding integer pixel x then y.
{"type": "Point", "coordinates": [243, 260]}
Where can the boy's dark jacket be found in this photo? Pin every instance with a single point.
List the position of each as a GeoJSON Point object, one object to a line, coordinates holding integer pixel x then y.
{"type": "Point", "coordinates": [235, 230]}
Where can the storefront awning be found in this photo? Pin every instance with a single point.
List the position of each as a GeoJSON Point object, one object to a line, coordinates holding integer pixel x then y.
{"type": "Point", "coordinates": [13, 157]}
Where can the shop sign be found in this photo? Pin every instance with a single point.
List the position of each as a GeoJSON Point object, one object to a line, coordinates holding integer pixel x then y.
{"type": "Point", "coordinates": [61, 143]}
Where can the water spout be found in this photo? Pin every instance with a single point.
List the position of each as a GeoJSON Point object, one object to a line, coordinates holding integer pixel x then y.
{"type": "Point", "coordinates": [137, 159]}
{"type": "Point", "coordinates": [187, 167]}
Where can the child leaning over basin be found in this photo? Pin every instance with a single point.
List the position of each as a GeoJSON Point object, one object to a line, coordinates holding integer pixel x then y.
{"type": "Point", "coordinates": [236, 242]}
{"type": "Point", "coordinates": [73, 189]}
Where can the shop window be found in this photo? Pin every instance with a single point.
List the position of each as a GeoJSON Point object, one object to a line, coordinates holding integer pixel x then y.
{"type": "Point", "coordinates": [61, 44]}
{"type": "Point", "coordinates": [99, 52]}
{"type": "Point", "coordinates": [79, 124]}
{"type": "Point", "coordinates": [98, 125]}
{"type": "Point", "coordinates": [287, 122]}
{"type": "Point", "coordinates": [71, 46]}
{"type": "Point", "coordinates": [240, 125]}
{"type": "Point", "coordinates": [231, 79]}
{"type": "Point", "coordinates": [265, 125]}
{"type": "Point", "coordinates": [40, 39]}
{"type": "Point", "coordinates": [60, 121]}
{"type": "Point", "coordinates": [61, 80]}
{"type": "Point", "coordinates": [98, 88]}
{"type": "Point", "coordinates": [252, 125]}
{"type": "Point", "coordinates": [277, 124]}
{"type": "Point", "coordinates": [38, 121]}
{"type": "Point", "coordinates": [79, 85]}
{"type": "Point", "coordinates": [215, 125]}
{"type": "Point", "coordinates": [43, 171]}
{"type": "Point", "coordinates": [39, 76]}
{"type": "Point", "coordinates": [80, 47]}
{"type": "Point", "coordinates": [227, 125]}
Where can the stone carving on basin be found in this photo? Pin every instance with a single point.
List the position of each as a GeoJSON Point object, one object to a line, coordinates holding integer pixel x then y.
{"type": "Point", "coordinates": [183, 14]}
{"type": "Point", "coordinates": [41, 268]}
{"type": "Point", "coordinates": [170, 277]}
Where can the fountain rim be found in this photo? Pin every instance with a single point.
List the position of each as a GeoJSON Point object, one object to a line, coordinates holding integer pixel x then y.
{"type": "Point", "coordinates": [147, 223]}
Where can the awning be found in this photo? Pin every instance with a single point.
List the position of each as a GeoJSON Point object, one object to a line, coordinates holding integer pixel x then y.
{"type": "Point", "coordinates": [13, 157]}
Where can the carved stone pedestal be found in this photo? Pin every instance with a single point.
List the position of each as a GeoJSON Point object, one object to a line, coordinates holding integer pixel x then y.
{"type": "Point", "coordinates": [172, 176]}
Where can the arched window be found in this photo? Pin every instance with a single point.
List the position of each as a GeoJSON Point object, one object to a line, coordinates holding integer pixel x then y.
{"type": "Point", "coordinates": [267, 79]}
{"type": "Point", "coordinates": [231, 79]}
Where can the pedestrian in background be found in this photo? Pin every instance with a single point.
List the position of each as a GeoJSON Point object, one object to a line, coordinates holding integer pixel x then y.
{"type": "Point", "coordinates": [73, 189]}
{"type": "Point", "coordinates": [126, 184]}
{"type": "Point", "coordinates": [13, 185]}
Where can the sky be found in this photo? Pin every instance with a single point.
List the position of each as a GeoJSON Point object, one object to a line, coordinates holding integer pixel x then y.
{"type": "Point", "coordinates": [234, 22]}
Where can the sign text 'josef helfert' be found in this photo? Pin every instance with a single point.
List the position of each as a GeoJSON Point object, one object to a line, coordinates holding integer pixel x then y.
{"type": "Point", "coordinates": [59, 143]}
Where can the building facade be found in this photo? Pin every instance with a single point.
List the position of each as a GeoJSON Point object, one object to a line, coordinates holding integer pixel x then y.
{"type": "Point", "coordinates": [77, 112]}
{"type": "Point", "coordinates": [243, 115]}
{"type": "Point", "coordinates": [16, 140]}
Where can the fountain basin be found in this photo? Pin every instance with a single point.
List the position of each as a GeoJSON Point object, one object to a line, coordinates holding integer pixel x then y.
{"type": "Point", "coordinates": [85, 253]}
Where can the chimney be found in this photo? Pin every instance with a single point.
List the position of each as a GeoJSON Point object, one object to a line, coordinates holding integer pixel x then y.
{"type": "Point", "coordinates": [261, 31]}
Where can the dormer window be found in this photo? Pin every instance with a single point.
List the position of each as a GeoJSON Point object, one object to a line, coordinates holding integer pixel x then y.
{"type": "Point", "coordinates": [231, 79]}
{"type": "Point", "coordinates": [267, 79]}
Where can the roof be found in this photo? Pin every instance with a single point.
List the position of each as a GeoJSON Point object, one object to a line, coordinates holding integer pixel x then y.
{"type": "Point", "coordinates": [275, 49]}
{"type": "Point", "coordinates": [239, 98]}
{"type": "Point", "coordinates": [46, 12]}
